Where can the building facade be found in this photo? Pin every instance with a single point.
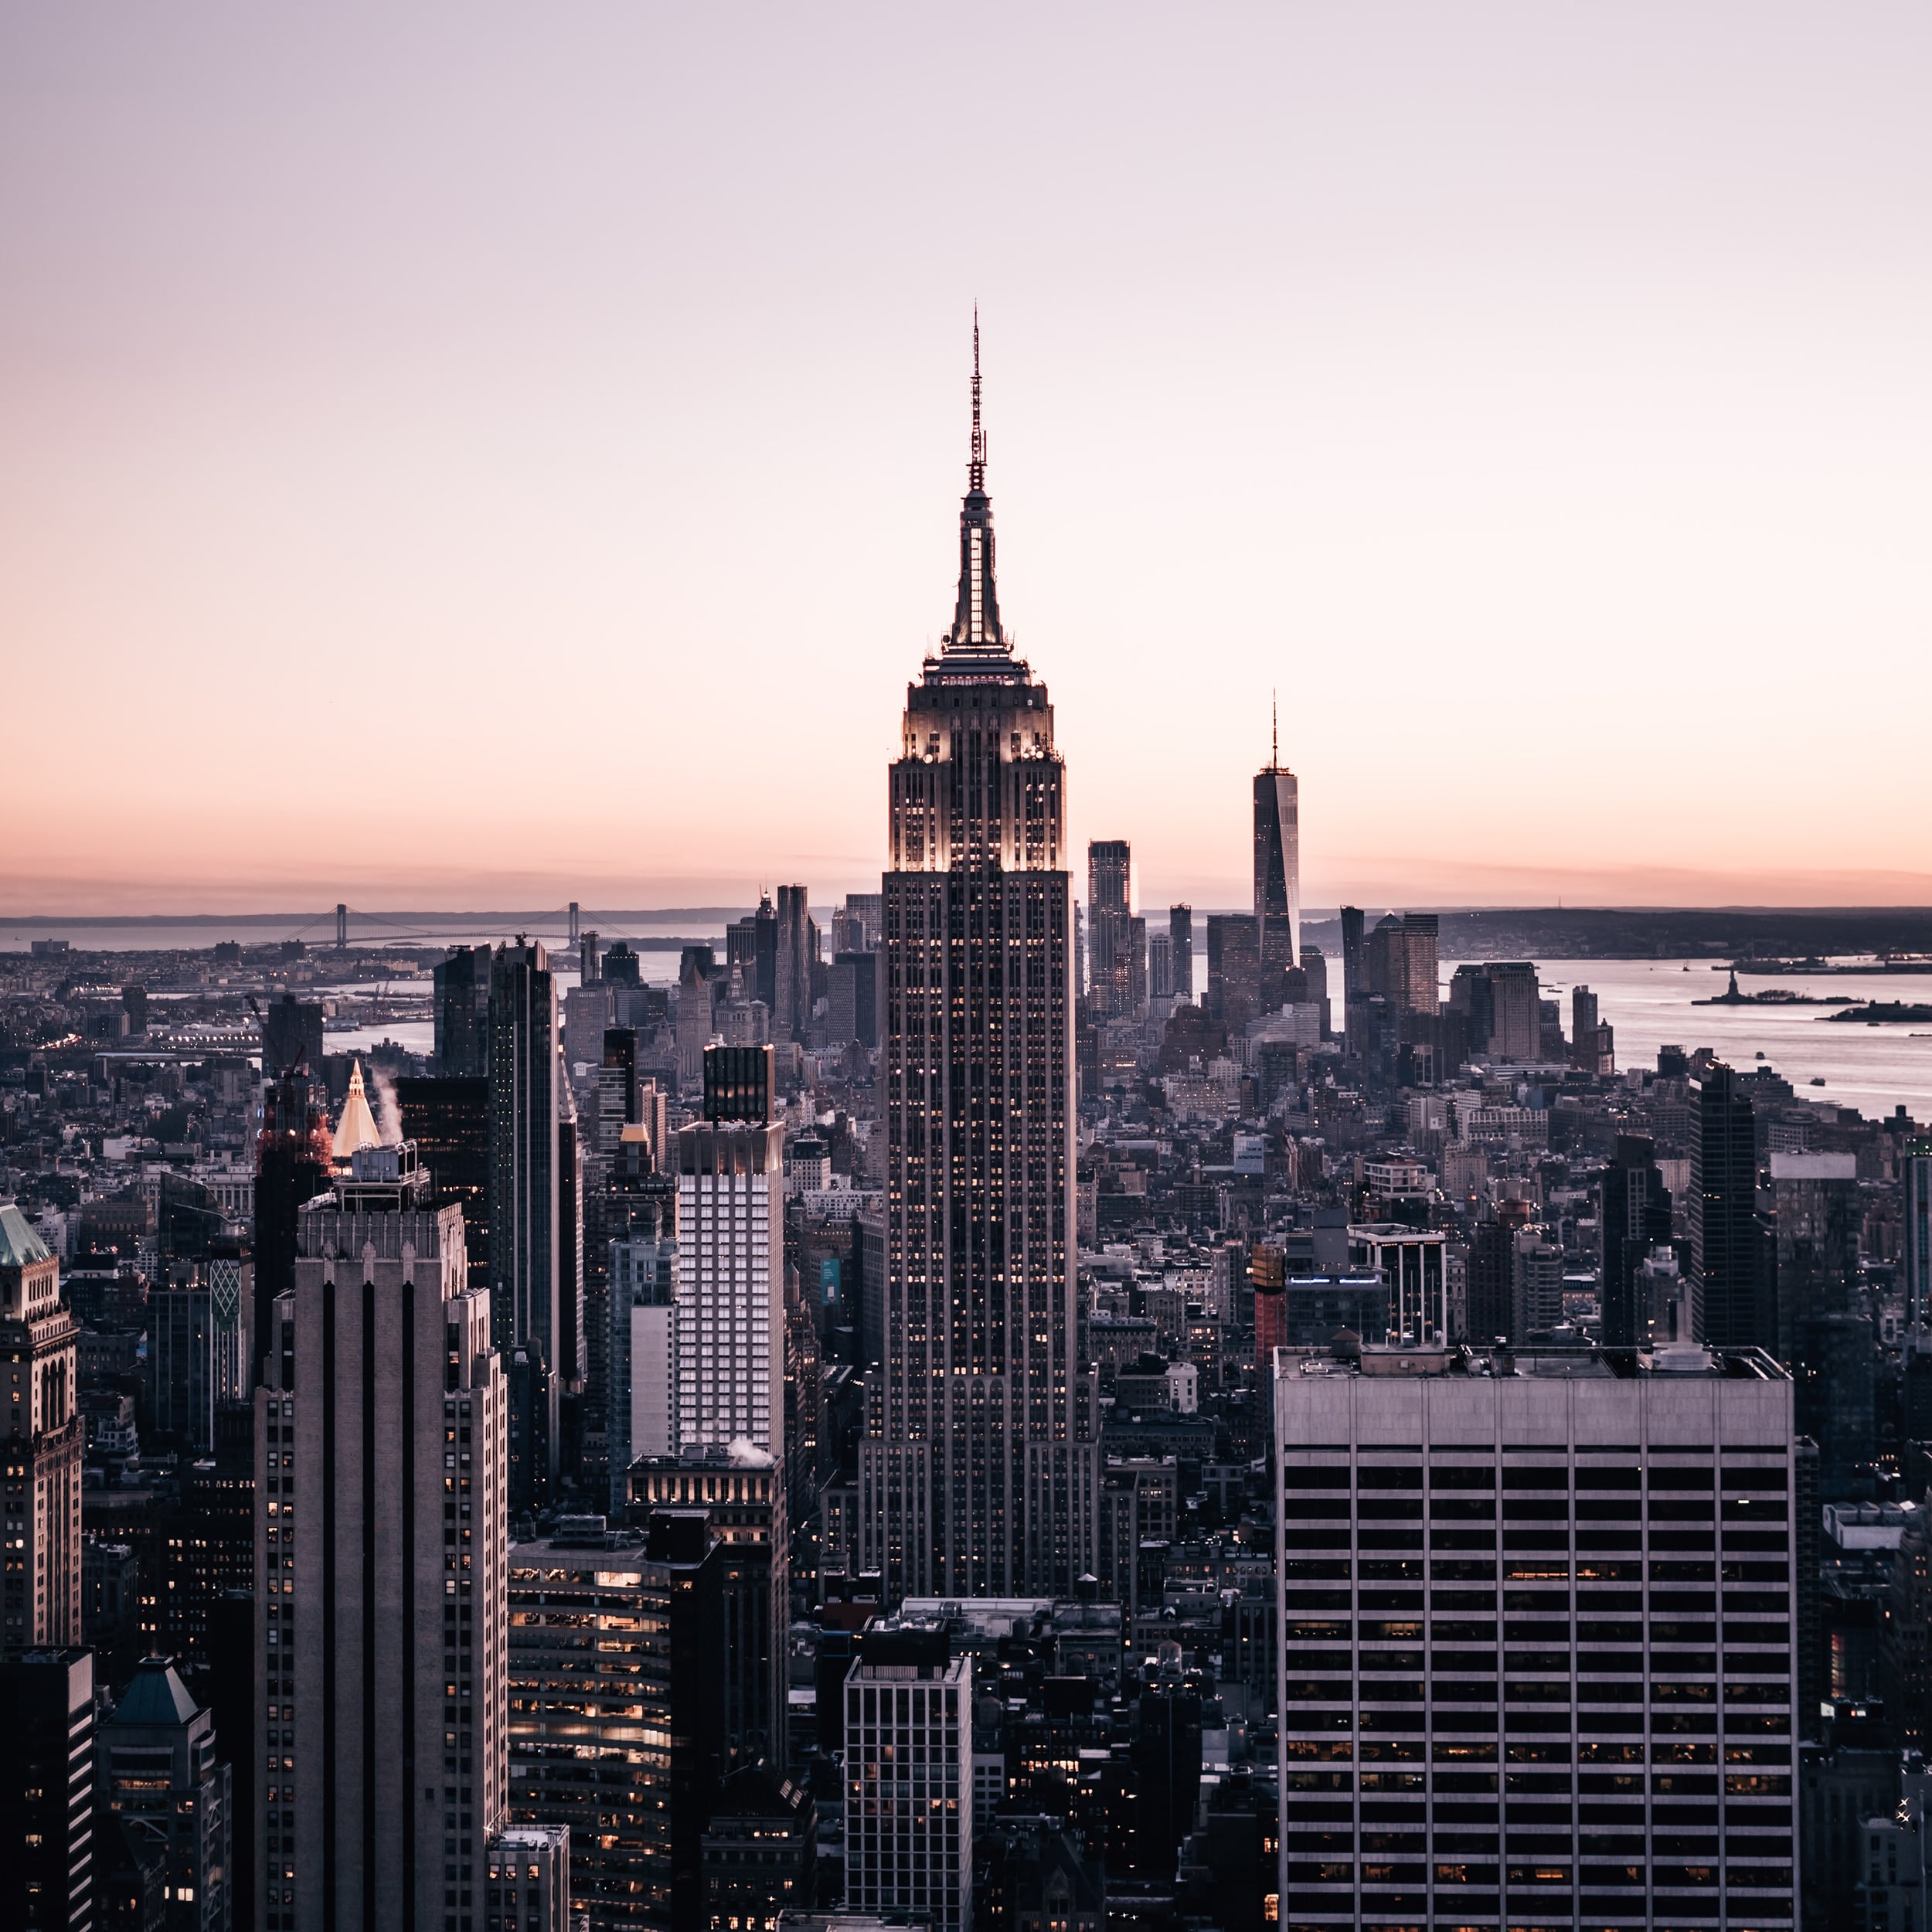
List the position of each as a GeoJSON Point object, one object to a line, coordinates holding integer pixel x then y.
{"type": "Point", "coordinates": [592, 1726]}
{"type": "Point", "coordinates": [381, 1526]}
{"type": "Point", "coordinates": [1536, 1641]}
{"type": "Point", "coordinates": [526, 1256]}
{"type": "Point", "coordinates": [40, 1454]}
{"type": "Point", "coordinates": [909, 1767]}
{"type": "Point", "coordinates": [1730, 1296]}
{"type": "Point", "coordinates": [979, 1472]}
{"type": "Point", "coordinates": [1278, 860]}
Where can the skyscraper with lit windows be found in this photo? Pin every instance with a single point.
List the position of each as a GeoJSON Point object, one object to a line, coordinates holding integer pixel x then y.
{"type": "Point", "coordinates": [978, 1475]}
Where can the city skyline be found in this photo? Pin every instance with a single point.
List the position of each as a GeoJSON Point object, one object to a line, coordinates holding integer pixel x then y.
{"type": "Point", "coordinates": [1409, 385]}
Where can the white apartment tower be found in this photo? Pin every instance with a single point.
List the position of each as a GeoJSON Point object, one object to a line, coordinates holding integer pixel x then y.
{"type": "Point", "coordinates": [381, 1534]}
{"type": "Point", "coordinates": [730, 1313]}
{"type": "Point", "coordinates": [909, 1771]}
{"type": "Point", "coordinates": [1536, 1614]}
{"type": "Point", "coordinates": [979, 1473]}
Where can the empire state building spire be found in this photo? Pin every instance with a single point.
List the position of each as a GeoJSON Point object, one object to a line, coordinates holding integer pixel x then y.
{"type": "Point", "coordinates": [976, 627]}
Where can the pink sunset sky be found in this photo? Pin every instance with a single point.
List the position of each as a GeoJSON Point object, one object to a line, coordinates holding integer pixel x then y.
{"type": "Point", "coordinates": [488, 455]}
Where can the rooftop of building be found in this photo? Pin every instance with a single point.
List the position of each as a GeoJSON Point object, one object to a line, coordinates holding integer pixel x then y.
{"type": "Point", "coordinates": [157, 1697]}
{"type": "Point", "coordinates": [19, 1246]}
{"type": "Point", "coordinates": [1555, 1357]}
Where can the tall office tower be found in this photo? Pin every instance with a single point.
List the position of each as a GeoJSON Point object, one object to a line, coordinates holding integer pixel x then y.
{"type": "Point", "coordinates": [622, 966]}
{"type": "Point", "coordinates": [292, 1163]}
{"type": "Point", "coordinates": [1401, 962]}
{"type": "Point", "coordinates": [198, 1350]}
{"type": "Point", "coordinates": [731, 1245]}
{"type": "Point", "coordinates": [1813, 1254]}
{"type": "Point", "coordinates": [865, 907]}
{"type": "Point", "coordinates": [49, 1877]}
{"type": "Point", "coordinates": [697, 1003]}
{"type": "Point", "coordinates": [1577, 1705]}
{"type": "Point", "coordinates": [730, 1328]}
{"type": "Point", "coordinates": [1634, 1217]}
{"type": "Point", "coordinates": [642, 1389]}
{"type": "Point", "coordinates": [159, 1772]}
{"type": "Point", "coordinates": [741, 1491]}
{"type": "Point", "coordinates": [1355, 971]}
{"type": "Point", "coordinates": [619, 1740]}
{"type": "Point", "coordinates": [1160, 966]}
{"type": "Point", "coordinates": [1583, 1028]}
{"type": "Point", "coordinates": [463, 1013]}
{"type": "Point", "coordinates": [1080, 950]}
{"type": "Point", "coordinates": [1277, 858]}
{"type": "Point", "coordinates": [909, 1833]}
{"type": "Point", "coordinates": [448, 1118]}
{"type": "Point", "coordinates": [1109, 875]}
{"type": "Point", "coordinates": [570, 1240]}
{"type": "Point", "coordinates": [979, 1475]}
{"type": "Point", "coordinates": [1489, 1284]}
{"type": "Point", "coordinates": [797, 940]}
{"type": "Point", "coordinates": [852, 994]}
{"type": "Point", "coordinates": [1915, 1177]}
{"type": "Point", "coordinates": [1730, 1301]}
{"type": "Point", "coordinates": [590, 960]}
{"type": "Point", "coordinates": [1233, 968]}
{"type": "Point", "coordinates": [1536, 1286]}
{"type": "Point", "coordinates": [1516, 1009]}
{"type": "Point", "coordinates": [525, 1262]}
{"type": "Point", "coordinates": [40, 1454]}
{"type": "Point", "coordinates": [1180, 932]}
{"type": "Point", "coordinates": [381, 1523]}
{"type": "Point", "coordinates": [291, 1032]}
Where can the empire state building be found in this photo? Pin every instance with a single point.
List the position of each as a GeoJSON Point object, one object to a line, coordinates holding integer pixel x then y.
{"type": "Point", "coordinates": [978, 1475]}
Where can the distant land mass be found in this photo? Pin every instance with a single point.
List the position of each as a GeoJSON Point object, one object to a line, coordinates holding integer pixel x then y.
{"type": "Point", "coordinates": [1722, 932]}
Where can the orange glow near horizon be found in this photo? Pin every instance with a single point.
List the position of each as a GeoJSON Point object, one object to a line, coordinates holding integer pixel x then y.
{"type": "Point", "coordinates": [463, 460]}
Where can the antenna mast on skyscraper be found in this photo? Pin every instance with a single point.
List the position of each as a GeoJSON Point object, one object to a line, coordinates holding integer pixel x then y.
{"type": "Point", "coordinates": [1274, 731]}
{"type": "Point", "coordinates": [977, 474]}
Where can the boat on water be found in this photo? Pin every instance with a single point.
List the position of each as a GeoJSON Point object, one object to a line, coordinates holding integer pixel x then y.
{"type": "Point", "coordinates": [1818, 1079]}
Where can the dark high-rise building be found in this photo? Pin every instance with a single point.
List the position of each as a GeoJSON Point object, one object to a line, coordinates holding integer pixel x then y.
{"type": "Point", "coordinates": [1116, 940]}
{"type": "Point", "coordinates": [852, 992]}
{"type": "Point", "coordinates": [797, 954]}
{"type": "Point", "coordinates": [1233, 968]}
{"type": "Point", "coordinates": [47, 1789]}
{"type": "Point", "coordinates": [159, 1768]}
{"type": "Point", "coordinates": [291, 1037]}
{"type": "Point", "coordinates": [738, 1083]}
{"type": "Point", "coordinates": [381, 1619]}
{"type": "Point", "coordinates": [1491, 1280]}
{"type": "Point", "coordinates": [569, 1246]}
{"type": "Point", "coordinates": [622, 1743]}
{"type": "Point", "coordinates": [1180, 932]}
{"type": "Point", "coordinates": [463, 1013]}
{"type": "Point", "coordinates": [448, 1118]}
{"type": "Point", "coordinates": [293, 1163]}
{"type": "Point", "coordinates": [1110, 868]}
{"type": "Point", "coordinates": [525, 1263]}
{"type": "Point", "coordinates": [1355, 971]}
{"type": "Point", "coordinates": [1635, 1218]}
{"type": "Point", "coordinates": [621, 965]}
{"type": "Point", "coordinates": [1728, 1293]}
{"type": "Point", "coordinates": [1277, 859]}
{"type": "Point", "coordinates": [1402, 962]}
{"type": "Point", "coordinates": [979, 1475]}
{"type": "Point", "coordinates": [1915, 1174]}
